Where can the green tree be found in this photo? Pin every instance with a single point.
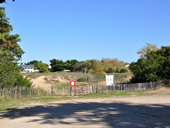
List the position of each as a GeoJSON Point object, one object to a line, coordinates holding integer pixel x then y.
{"type": "Point", "coordinates": [9, 49]}
{"type": "Point", "coordinates": [57, 65]}
{"type": "Point", "coordinates": [42, 67]}
{"type": "Point", "coordinates": [110, 70]}
{"type": "Point", "coordinates": [154, 66]}
{"type": "Point", "coordinates": [71, 65]}
{"type": "Point", "coordinates": [3, 1]}
{"type": "Point", "coordinates": [10, 76]}
{"type": "Point", "coordinates": [10, 53]}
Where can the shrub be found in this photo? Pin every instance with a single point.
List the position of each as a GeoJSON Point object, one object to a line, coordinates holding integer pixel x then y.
{"type": "Point", "coordinates": [85, 79]}
{"type": "Point", "coordinates": [110, 70]}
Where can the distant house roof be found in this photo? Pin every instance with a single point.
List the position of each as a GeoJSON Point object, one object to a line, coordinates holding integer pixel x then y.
{"type": "Point", "coordinates": [27, 66]}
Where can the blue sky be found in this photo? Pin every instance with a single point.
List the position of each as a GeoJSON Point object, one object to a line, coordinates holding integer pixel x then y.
{"type": "Point", "coordinates": [88, 29]}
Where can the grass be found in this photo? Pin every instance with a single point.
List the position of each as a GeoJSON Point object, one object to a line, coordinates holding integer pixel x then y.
{"type": "Point", "coordinates": [15, 103]}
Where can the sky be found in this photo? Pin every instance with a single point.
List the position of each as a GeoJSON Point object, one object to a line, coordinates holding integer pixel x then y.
{"type": "Point", "coordinates": [88, 29]}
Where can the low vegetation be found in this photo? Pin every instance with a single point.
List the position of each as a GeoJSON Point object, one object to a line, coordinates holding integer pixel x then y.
{"type": "Point", "coordinates": [14, 103]}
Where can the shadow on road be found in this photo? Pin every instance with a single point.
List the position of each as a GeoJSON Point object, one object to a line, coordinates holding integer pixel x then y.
{"type": "Point", "coordinates": [119, 115]}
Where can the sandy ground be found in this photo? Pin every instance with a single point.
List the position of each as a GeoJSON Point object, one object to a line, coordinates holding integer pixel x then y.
{"type": "Point", "coordinates": [114, 112]}
{"type": "Point", "coordinates": [41, 82]}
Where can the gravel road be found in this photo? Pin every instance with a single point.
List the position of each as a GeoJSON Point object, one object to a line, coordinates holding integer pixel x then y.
{"type": "Point", "coordinates": [114, 112]}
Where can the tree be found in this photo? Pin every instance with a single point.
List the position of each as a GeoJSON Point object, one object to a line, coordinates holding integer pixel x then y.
{"type": "Point", "coordinates": [71, 65]}
{"type": "Point", "coordinates": [154, 66]}
{"type": "Point", "coordinates": [146, 49]}
{"type": "Point", "coordinates": [114, 64]}
{"type": "Point", "coordinates": [57, 65]}
{"type": "Point", "coordinates": [110, 70]}
{"type": "Point", "coordinates": [9, 49]}
{"type": "Point", "coordinates": [3, 1]}
{"type": "Point", "coordinates": [42, 67]}
{"type": "Point", "coordinates": [10, 76]}
{"type": "Point", "coordinates": [10, 53]}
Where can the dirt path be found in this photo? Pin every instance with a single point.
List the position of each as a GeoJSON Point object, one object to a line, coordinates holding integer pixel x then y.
{"type": "Point", "coordinates": [114, 112]}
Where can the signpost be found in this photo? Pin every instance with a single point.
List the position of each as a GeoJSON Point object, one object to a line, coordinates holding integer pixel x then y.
{"type": "Point", "coordinates": [72, 84]}
{"type": "Point", "coordinates": [109, 80]}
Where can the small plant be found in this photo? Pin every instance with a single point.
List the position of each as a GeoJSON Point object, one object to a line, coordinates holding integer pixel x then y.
{"type": "Point", "coordinates": [81, 79]}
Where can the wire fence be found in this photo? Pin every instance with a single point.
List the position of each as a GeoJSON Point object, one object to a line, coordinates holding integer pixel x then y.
{"type": "Point", "coordinates": [28, 92]}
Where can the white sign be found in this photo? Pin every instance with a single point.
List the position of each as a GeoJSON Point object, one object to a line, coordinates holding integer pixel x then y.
{"type": "Point", "coordinates": [109, 80]}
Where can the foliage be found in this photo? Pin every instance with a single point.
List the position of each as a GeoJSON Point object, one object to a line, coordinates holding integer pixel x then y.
{"type": "Point", "coordinates": [146, 49]}
{"type": "Point", "coordinates": [59, 65]}
{"type": "Point", "coordinates": [42, 67]}
{"type": "Point", "coordinates": [125, 69]}
{"type": "Point", "coordinates": [10, 53]}
{"type": "Point", "coordinates": [154, 66]}
{"type": "Point", "coordinates": [10, 76]}
{"type": "Point", "coordinates": [106, 65]}
{"type": "Point", "coordinates": [110, 70]}
{"type": "Point", "coordinates": [3, 1]}
{"type": "Point", "coordinates": [84, 79]}
{"type": "Point", "coordinates": [9, 49]}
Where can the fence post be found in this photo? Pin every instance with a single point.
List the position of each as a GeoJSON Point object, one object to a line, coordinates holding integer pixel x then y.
{"type": "Point", "coordinates": [83, 90]}
{"type": "Point", "coordinates": [15, 92]}
{"type": "Point", "coordinates": [20, 92]}
{"type": "Point", "coordinates": [63, 91]}
{"type": "Point", "coordinates": [10, 93]}
{"type": "Point", "coordinates": [97, 89]}
{"type": "Point", "coordinates": [3, 90]}
{"type": "Point", "coordinates": [32, 91]}
{"type": "Point", "coordinates": [72, 91]}
{"type": "Point", "coordinates": [124, 88]}
{"type": "Point", "coordinates": [52, 90]}
{"type": "Point", "coordinates": [68, 91]}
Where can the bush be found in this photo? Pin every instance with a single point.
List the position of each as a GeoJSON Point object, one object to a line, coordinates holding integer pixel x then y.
{"type": "Point", "coordinates": [81, 79]}
{"type": "Point", "coordinates": [10, 76]}
{"type": "Point", "coordinates": [85, 79]}
{"type": "Point", "coordinates": [123, 70]}
{"type": "Point", "coordinates": [110, 70]}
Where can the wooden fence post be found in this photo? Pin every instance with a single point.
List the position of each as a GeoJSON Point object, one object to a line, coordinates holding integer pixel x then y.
{"type": "Point", "coordinates": [32, 91]}
{"type": "Point", "coordinates": [63, 91]}
{"type": "Point", "coordinates": [15, 92]}
{"type": "Point", "coordinates": [68, 91]}
{"type": "Point", "coordinates": [83, 90]}
{"type": "Point", "coordinates": [10, 93]}
{"type": "Point", "coordinates": [3, 91]}
{"type": "Point", "coordinates": [97, 89]}
{"type": "Point", "coordinates": [114, 87]}
{"type": "Point", "coordinates": [124, 88]}
{"type": "Point", "coordinates": [72, 91]}
{"type": "Point", "coordinates": [52, 90]}
{"type": "Point", "coordinates": [20, 92]}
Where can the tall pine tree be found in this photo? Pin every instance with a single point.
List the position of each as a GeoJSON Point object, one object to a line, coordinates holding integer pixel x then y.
{"type": "Point", "coordinates": [9, 48]}
{"type": "Point", "coordinates": [10, 53]}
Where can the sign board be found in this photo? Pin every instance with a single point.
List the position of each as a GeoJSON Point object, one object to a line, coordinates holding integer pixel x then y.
{"type": "Point", "coordinates": [72, 83]}
{"type": "Point", "coordinates": [109, 80]}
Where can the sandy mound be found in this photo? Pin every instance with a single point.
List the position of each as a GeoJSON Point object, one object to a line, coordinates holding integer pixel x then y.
{"type": "Point", "coordinates": [46, 81]}
{"type": "Point", "coordinates": [40, 82]}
